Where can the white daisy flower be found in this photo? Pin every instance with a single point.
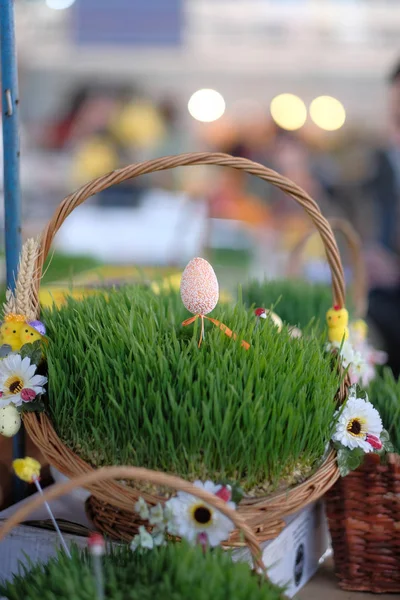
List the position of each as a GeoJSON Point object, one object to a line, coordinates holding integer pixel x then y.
{"type": "Point", "coordinates": [18, 382]}
{"type": "Point", "coordinates": [193, 519]}
{"type": "Point", "coordinates": [357, 421]}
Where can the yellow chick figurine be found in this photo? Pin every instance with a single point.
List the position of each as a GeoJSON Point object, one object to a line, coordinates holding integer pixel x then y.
{"type": "Point", "coordinates": [29, 334]}
{"type": "Point", "coordinates": [338, 320]}
{"type": "Point", "coordinates": [10, 331]}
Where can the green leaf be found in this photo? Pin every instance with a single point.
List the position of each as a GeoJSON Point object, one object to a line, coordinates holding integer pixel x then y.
{"type": "Point", "coordinates": [349, 460]}
{"type": "Point", "coordinates": [33, 352]}
{"type": "Point", "coordinates": [360, 393]}
{"type": "Point", "coordinates": [35, 406]}
{"type": "Point", "coordinates": [237, 492]}
{"type": "Point", "coordinates": [387, 445]}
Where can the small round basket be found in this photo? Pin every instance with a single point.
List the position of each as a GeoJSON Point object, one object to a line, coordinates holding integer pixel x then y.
{"type": "Point", "coordinates": [111, 506]}
{"type": "Point", "coordinates": [100, 476]}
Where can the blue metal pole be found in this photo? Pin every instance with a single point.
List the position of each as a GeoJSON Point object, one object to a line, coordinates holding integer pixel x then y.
{"type": "Point", "coordinates": [11, 158]}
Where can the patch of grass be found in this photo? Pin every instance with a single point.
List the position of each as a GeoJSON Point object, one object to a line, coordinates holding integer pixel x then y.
{"type": "Point", "coordinates": [295, 301]}
{"type": "Point", "coordinates": [128, 385]}
{"type": "Point", "coordinates": [384, 393]}
{"type": "Point", "coordinates": [174, 571]}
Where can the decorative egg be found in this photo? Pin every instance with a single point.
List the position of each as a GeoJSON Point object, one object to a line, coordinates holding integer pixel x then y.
{"type": "Point", "coordinates": [199, 287]}
{"type": "Point", "coordinates": [10, 421]}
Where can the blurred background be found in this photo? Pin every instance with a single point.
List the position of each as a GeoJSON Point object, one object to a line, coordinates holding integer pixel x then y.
{"type": "Point", "coordinates": [310, 88]}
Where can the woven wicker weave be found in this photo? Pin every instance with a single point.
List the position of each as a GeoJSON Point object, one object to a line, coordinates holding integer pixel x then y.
{"type": "Point", "coordinates": [364, 518]}
{"type": "Point", "coordinates": [264, 515]}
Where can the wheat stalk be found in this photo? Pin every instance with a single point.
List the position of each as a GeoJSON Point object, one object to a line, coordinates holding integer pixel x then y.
{"type": "Point", "coordinates": [23, 300]}
{"type": "Point", "coordinates": [9, 305]}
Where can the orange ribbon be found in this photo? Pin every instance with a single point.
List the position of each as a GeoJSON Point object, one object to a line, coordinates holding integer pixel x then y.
{"type": "Point", "coordinates": [222, 327]}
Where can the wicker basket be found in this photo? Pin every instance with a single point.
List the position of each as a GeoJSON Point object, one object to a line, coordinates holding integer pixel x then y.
{"type": "Point", "coordinates": [106, 474]}
{"type": "Point", "coordinates": [353, 242]}
{"type": "Point", "coordinates": [112, 507]}
{"type": "Point", "coordinates": [364, 519]}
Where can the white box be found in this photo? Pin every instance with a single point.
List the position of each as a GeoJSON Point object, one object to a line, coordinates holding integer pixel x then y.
{"type": "Point", "coordinates": [295, 555]}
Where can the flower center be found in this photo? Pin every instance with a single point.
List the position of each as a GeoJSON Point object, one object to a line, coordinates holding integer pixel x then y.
{"type": "Point", "coordinates": [14, 384]}
{"type": "Point", "coordinates": [355, 427]}
{"type": "Point", "coordinates": [202, 514]}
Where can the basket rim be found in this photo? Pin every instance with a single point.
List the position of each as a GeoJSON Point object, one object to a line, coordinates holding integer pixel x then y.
{"type": "Point", "coordinates": [264, 514]}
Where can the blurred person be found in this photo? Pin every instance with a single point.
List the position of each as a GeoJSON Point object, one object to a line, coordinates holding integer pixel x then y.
{"type": "Point", "coordinates": [384, 186]}
{"type": "Point", "coordinates": [383, 261]}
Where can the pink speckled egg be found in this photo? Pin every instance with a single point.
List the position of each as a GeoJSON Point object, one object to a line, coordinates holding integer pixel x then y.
{"type": "Point", "coordinates": [199, 287]}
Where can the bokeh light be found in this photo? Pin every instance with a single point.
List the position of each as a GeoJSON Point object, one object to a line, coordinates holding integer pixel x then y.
{"type": "Point", "coordinates": [206, 105]}
{"type": "Point", "coordinates": [59, 4]}
{"type": "Point", "coordinates": [288, 111]}
{"type": "Point", "coordinates": [328, 113]}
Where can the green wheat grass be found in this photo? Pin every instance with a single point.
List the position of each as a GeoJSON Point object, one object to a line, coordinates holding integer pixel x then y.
{"type": "Point", "coordinates": [174, 571]}
{"type": "Point", "coordinates": [128, 385]}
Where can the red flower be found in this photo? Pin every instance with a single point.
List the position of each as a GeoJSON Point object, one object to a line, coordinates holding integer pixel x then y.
{"type": "Point", "coordinates": [225, 493]}
{"type": "Point", "coordinates": [27, 395]}
{"type": "Point", "coordinates": [374, 441]}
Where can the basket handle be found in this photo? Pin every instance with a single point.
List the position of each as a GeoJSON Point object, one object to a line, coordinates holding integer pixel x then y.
{"type": "Point", "coordinates": [202, 158]}
{"type": "Point", "coordinates": [353, 240]}
{"type": "Point", "coordinates": [136, 474]}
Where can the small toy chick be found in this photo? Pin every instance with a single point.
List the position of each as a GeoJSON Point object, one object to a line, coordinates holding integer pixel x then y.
{"type": "Point", "coordinates": [10, 331]}
{"type": "Point", "coordinates": [338, 320]}
{"type": "Point", "coordinates": [32, 331]}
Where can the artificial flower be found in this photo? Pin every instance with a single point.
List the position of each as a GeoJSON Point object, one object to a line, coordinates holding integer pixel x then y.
{"type": "Point", "coordinates": [193, 519]}
{"type": "Point", "coordinates": [18, 382]}
{"type": "Point", "coordinates": [366, 372]}
{"type": "Point", "coordinates": [358, 425]}
{"type": "Point", "coordinates": [374, 441]}
{"type": "Point", "coordinates": [158, 535]}
{"type": "Point", "coordinates": [142, 509]}
{"type": "Point", "coordinates": [142, 540]}
{"type": "Point", "coordinates": [353, 360]}
{"type": "Point", "coordinates": [27, 469]}
{"type": "Point", "coordinates": [156, 515]}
